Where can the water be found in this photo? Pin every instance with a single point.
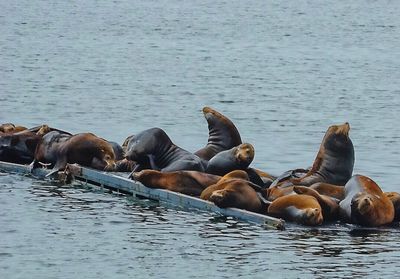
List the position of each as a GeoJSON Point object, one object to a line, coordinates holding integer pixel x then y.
{"type": "Point", "coordinates": [282, 71]}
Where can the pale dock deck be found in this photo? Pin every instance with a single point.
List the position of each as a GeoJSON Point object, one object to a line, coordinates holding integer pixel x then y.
{"type": "Point", "coordinates": [121, 184]}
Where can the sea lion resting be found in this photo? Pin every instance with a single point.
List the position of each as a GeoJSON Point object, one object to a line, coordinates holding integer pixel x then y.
{"type": "Point", "coordinates": [59, 149]}
{"type": "Point", "coordinates": [302, 209]}
{"type": "Point", "coordinates": [234, 190]}
{"type": "Point", "coordinates": [365, 203]}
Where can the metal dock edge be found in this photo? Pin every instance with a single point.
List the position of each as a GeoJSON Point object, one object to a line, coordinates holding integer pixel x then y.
{"type": "Point", "coordinates": [127, 186]}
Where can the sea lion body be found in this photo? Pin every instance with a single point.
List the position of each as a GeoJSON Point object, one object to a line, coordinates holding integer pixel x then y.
{"type": "Point", "coordinates": [302, 209]}
{"type": "Point", "coordinates": [395, 198]}
{"type": "Point", "coordinates": [329, 205]}
{"type": "Point", "coordinates": [186, 182]}
{"type": "Point", "coordinates": [234, 190]}
{"type": "Point", "coordinates": [365, 203]}
{"type": "Point", "coordinates": [334, 162]}
{"type": "Point", "coordinates": [153, 147]}
{"type": "Point", "coordinates": [85, 149]}
{"type": "Point", "coordinates": [236, 158]}
{"type": "Point", "coordinates": [223, 135]}
{"type": "Point", "coordinates": [334, 191]}
{"type": "Point", "coordinates": [19, 147]}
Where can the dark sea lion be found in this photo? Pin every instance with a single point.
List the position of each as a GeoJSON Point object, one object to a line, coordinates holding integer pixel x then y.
{"type": "Point", "coordinates": [365, 203]}
{"type": "Point", "coordinates": [85, 149]}
{"type": "Point", "coordinates": [18, 148]}
{"type": "Point", "coordinates": [236, 158]}
{"type": "Point", "coordinates": [154, 147]}
{"type": "Point", "coordinates": [395, 198]}
{"type": "Point", "coordinates": [223, 134]}
{"type": "Point", "coordinates": [118, 150]}
{"type": "Point", "coordinates": [302, 209]}
{"type": "Point", "coordinates": [335, 159]}
{"type": "Point", "coordinates": [186, 182]}
{"type": "Point", "coordinates": [234, 190]}
{"type": "Point", "coordinates": [329, 205]}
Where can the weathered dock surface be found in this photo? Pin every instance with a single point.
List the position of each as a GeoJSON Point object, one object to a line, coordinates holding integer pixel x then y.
{"type": "Point", "coordinates": [129, 187]}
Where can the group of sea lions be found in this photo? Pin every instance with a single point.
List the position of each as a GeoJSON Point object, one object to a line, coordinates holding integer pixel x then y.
{"type": "Point", "coordinates": [218, 172]}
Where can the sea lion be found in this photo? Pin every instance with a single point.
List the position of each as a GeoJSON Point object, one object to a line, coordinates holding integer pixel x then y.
{"type": "Point", "coordinates": [334, 191]}
{"type": "Point", "coordinates": [186, 182]}
{"type": "Point", "coordinates": [85, 149]}
{"type": "Point", "coordinates": [10, 128]}
{"type": "Point", "coordinates": [302, 209]}
{"type": "Point", "coordinates": [118, 150]}
{"type": "Point", "coordinates": [223, 134]}
{"type": "Point", "coordinates": [234, 190]}
{"type": "Point", "coordinates": [236, 158]}
{"type": "Point", "coordinates": [365, 203]}
{"type": "Point", "coordinates": [335, 159]}
{"type": "Point", "coordinates": [154, 147]}
{"type": "Point", "coordinates": [18, 148]}
{"type": "Point", "coordinates": [395, 198]}
{"type": "Point", "coordinates": [329, 205]}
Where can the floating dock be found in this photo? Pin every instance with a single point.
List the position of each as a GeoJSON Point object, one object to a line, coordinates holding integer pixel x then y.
{"type": "Point", "coordinates": [127, 186]}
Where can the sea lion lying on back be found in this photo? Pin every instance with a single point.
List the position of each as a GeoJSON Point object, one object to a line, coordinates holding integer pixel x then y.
{"type": "Point", "coordinates": [223, 135]}
{"type": "Point", "coordinates": [365, 203]}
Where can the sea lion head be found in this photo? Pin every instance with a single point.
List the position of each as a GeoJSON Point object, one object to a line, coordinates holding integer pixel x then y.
{"type": "Point", "coordinates": [312, 217]}
{"type": "Point", "coordinates": [371, 209]}
{"type": "Point", "coordinates": [337, 139]}
{"type": "Point", "coordinates": [7, 127]}
{"type": "Point", "coordinates": [244, 154]}
{"type": "Point", "coordinates": [105, 158]}
{"type": "Point", "coordinates": [44, 129]}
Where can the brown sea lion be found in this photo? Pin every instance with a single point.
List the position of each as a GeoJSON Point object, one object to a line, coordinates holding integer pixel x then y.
{"type": "Point", "coordinates": [85, 149]}
{"type": "Point", "coordinates": [329, 205]}
{"type": "Point", "coordinates": [234, 190]}
{"type": "Point", "coordinates": [302, 209]}
{"type": "Point", "coordinates": [330, 190]}
{"type": "Point", "coordinates": [365, 203]}
{"type": "Point", "coordinates": [273, 193]}
{"type": "Point", "coordinates": [236, 158]}
{"type": "Point", "coordinates": [19, 147]}
{"type": "Point", "coordinates": [335, 159]}
{"type": "Point", "coordinates": [218, 185]}
{"type": "Point", "coordinates": [223, 135]}
{"type": "Point", "coordinates": [395, 198]}
{"type": "Point", "coordinates": [10, 128]}
{"type": "Point", "coordinates": [186, 182]}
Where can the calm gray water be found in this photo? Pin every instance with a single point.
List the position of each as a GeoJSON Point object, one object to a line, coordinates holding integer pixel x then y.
{"type": "Point", "coordinates": [283, 71]}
